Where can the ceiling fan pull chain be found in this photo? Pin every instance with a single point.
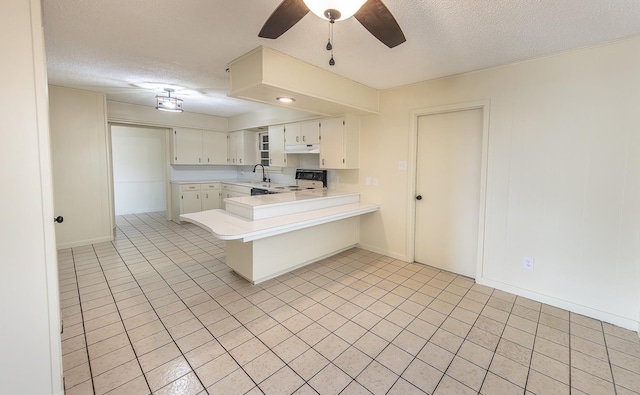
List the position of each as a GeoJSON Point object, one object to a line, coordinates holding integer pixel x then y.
{"type": "Point", "coordinates": [330, 45]}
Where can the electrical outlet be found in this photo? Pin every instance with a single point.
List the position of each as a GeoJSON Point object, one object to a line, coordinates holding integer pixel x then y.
{"type": "Point", "coordinates": [527, 263]}
{"type": "Point", "coordinates": [367, 181]}
{"type": "Point", "coordinates": [402, 165]}
{"type": "Point", "coordinates": [375, 182]}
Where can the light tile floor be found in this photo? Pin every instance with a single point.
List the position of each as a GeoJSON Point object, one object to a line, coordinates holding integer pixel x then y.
{"type": "Point", "coordinates": [158, 311]}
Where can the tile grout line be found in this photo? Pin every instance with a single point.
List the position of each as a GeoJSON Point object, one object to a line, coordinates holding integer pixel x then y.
{"type": "Point", "coordinates": [187, 307]}
{"type": "Point", "coordinates": [204, 326]}
{"type": "Point", "coordinates": [121, 319]}
{"type": "Point", "coordinates": [606, 347]}
{"type": "Point", "coordinates": [84, 332]}
{"type": "Point", "coordinates": [535, 337]}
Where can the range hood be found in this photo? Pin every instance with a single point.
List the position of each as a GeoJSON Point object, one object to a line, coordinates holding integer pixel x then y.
{"type": "Point", "coordinates": [302, 149]}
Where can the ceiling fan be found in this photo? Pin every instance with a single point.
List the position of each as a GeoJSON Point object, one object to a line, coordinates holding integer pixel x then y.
{"type": "Point", "coordinates": [372, 14]}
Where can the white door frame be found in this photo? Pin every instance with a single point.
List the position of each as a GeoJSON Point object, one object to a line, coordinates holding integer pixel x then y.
{"type": "Point", "coordinates": [484, 105]}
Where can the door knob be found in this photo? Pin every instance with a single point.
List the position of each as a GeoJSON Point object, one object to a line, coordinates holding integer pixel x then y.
{"type": "Point", "coordinates": [419, 197]}
{"type": "Point", "coordinates": [58, 219]}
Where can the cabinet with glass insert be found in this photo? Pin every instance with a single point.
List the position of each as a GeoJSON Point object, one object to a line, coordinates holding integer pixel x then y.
{"type": "Point", "coordinates": [263, 149]}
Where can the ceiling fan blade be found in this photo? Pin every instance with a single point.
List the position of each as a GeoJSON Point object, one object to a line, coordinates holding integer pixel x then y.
{"type": "Point", "coordinates": [378, 20]}
{"type": "Point", "coordinates": [288, 13]}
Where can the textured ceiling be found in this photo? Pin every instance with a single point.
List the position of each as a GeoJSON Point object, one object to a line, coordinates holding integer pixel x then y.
{"type": "Point", "coordinates": [117, 46]}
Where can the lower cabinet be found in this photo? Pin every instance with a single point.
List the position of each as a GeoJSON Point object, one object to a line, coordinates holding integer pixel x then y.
{"type": "Point", "coordinates": [191, 198]}
{"type": "Point", "coordinates": [232, 190]}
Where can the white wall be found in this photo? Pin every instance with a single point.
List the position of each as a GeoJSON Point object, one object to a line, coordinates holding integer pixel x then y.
{"type": "Point", "coordinates": [139, 169]}
{"type": "Point", "coordinates": [563, 181]}
{"type": "Point", "coordinates": [149, 116]}
{"type": "Point", "coordinates": [30, 354]}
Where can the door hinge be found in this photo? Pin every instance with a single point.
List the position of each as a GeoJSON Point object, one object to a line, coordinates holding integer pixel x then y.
{"type": "Point", "coordinates": [343, 123]}
{"type": "Point", "coordinates": [342, 160]}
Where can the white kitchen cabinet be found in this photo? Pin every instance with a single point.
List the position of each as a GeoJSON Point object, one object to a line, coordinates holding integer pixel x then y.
{"type": "Point", "coordinates": [198, 147]}
{"type": "Point", "coordinates": [211, 196]}
{"type": "Point", "coordinates": [214, 148]}
{"type": "Point", "coordinates": [242, 148]}
{"type": "Point", "coordinates": [192, 198]}
{"type": "Point", "coordinates": [310, 132]}
{"type": "Point", "coordinates": [232, 190]}
{"type": "Point", "coordinates": [302, 133]}
{"type": "Point", "coordinates": [191, 202]}
{"type": "Point", "coordinates": [277, 155]}
{"type": "Point", "coordinates": [340, 143]}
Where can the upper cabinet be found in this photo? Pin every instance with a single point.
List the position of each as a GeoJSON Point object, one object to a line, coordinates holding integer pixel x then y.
{"type": "Point", "coordinates": [277, 155]}
{"type": "Point", "coordinates": [340, 143]}
{"type": "Point", "coordinates": [310, 132]}
{"type": "Point", "coordinates": [242, 148]}
{"type": "Point", "coordinates": [214, 148]}
{"type": "Point", "coordinates": [198, 147]}
{"type": "Point", "coordinates": [302, 133]}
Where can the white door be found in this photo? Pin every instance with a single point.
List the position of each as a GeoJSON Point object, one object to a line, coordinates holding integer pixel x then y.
{"type": "Point", "coordinates": [449, 157]}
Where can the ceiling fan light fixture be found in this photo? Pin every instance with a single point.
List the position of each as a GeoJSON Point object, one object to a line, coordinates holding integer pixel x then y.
{"type": "Point", "coordinates": [346, 8]}
{"type": "Point", "coordinates": [168, 103]}
{"type": "Point", "coordinates": [285, 99]}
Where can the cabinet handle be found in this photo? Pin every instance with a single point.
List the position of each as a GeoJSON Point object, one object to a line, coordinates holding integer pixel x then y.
{"type": "Point", "coordinates": [297, 139]}
{"type": "Point", "coordinates": [304, 138]}
{"type": "Point", "coordinates": [240, 160]}
{"type": "Point", "coordinates": [197, 196]}
{"type": "Point", "coordinates": [206, 195]}
{"type": "Point", "coordinates": [199, 160]}
{"type": "Point", "coordinates": [58, 219]}
{"type": "Point", "coordinates": [323, 162]}
{"type": "Point", "coordinates": [208, 160]}
{"type": "Point", "coordinates": [270, 161]}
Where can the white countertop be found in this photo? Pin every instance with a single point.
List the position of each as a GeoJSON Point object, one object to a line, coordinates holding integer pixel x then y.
{"type": "Point", "coordinates": [272, 186]}
{"type": "Point", "coordinates": [289, 197]}
{"type": "Point", "coordinates": [227, 226]}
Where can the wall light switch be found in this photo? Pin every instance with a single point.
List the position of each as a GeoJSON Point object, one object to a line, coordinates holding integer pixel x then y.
{"type": "Point", "coordinates": [375, 182]}
{"type": "Point", "coordinates": [527, 263]}
{"type": "Point", "coordinates": [367, 181]}
{"type": "Point", "coordinates": [402, 165]}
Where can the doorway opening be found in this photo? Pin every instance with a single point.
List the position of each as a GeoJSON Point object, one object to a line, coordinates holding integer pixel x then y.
{"type": "Point", "coordinates": [140, 165]}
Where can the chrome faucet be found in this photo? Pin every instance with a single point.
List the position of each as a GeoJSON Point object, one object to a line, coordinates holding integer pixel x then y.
{"type": "Point", "coordinates": [264, 176]}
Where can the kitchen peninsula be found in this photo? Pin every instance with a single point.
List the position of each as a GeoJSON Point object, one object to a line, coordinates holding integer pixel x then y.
{"type": "Point", "coordinates": [269, 235]}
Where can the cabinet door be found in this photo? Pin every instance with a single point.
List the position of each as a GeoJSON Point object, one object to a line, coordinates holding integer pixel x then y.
{"type": "Point", "coordinates": [187, 146]}
{"type": "Point", "coordinates": [332, 143]}
{"type": "Point", "coordinates": [246, 147]}
{"type": "Point", "coordinates": [292, 134]}
{"type": "Point", "coordinates": [210, 199]}
{"type": "Point", "coordinates": [310, 132]}
{"type": "Point", "coordinates": [277, 156]}
{"type": "Point", "coordinates": [191, 202]}
{"type": "Point", "coordinates": [231, 149]}
{"type": "Point", "coordinates": [214, 148]}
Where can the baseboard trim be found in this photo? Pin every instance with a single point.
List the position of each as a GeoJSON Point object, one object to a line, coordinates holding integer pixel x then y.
{"type": "Point", "coordinates": [82, 243]}
{"type": "Point", "coordinates": [623, 322]}
{"type": "Point", "coordinates": [381, 251]}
